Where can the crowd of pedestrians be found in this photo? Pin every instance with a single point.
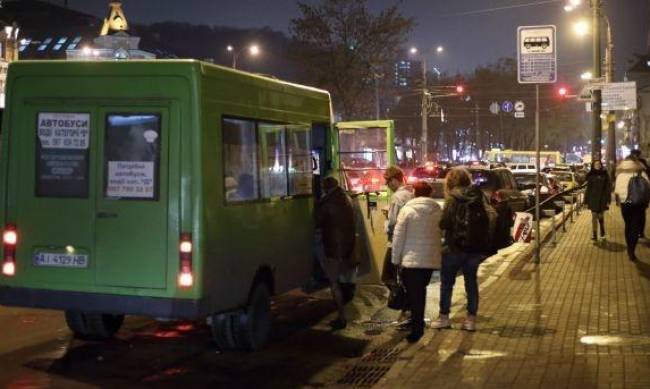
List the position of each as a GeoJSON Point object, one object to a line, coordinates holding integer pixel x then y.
{"type": "Point", "coordinates": [423, 237]}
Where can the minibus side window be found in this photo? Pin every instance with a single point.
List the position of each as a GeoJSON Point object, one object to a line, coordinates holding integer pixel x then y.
{"type": "Point", "coordinates": [240, 160]}
{"type": "Point", "coordinates": [132, 156]}
{"type": "Point", "coordinates": [299, 160]}
{"type": "Point", "coordinates": [273, 163]}
{"type": "Point", "coordinates": [62, 140]}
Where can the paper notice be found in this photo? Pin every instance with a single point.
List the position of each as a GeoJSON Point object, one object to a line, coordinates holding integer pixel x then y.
{"type": "Point", "coordinates": [130, 179]}
{"type": "Point", "coordinates": [64, 130]}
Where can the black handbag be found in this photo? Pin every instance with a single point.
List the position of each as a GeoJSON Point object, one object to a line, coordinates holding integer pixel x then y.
{"type": "Point", "coordinates": [397, 297]}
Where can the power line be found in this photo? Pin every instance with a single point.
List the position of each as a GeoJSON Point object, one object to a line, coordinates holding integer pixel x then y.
{"type": "Point", "coordinates": [502, 8]}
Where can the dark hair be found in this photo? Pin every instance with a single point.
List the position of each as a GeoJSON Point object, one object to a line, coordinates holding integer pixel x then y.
{"type": "Point", "coordinates": [422, 189]}
{"type": "Point", "coordinates": [394, 172]}
{"type": "Point", "coordinates": [636, 153]}
{"type": "Point", "coordinates": [458, 177]}
{"type": "Point", "coordinates": [330, 183]}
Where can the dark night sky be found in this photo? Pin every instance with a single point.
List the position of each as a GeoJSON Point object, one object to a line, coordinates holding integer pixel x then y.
{"type": "Point", "coordinates": [470, 38]}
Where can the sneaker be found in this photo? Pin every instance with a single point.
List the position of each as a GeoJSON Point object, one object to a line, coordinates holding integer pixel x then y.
{"type": "Point", "coordinates": [469, 324]}
{"type": "Point", "coordinates": [441, 323]}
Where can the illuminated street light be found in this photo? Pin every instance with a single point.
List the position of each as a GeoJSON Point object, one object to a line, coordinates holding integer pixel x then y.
{"type": "Point", "coordinates": [568, 8]}
{"type": "Point", "coordinates": [414, 50]}
{"type": "Point", "coordinates": [440, 49]}
{"type": "Point", "coordinates": [587, 76]}
{"type": "Point", "coordinates": [621, 124]}
{"type": "Point", "coordinates": [253, 50]}
{"type": "Point", "coordinates": [581, 27]}
{"type": "Point", "coordinates": [575, 3]}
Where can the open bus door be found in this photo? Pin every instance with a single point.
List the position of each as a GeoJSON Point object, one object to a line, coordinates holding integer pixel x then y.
{"type": "Point", "coordinates": [361, 152]}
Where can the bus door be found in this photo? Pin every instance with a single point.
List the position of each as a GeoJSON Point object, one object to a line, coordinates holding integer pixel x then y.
{"type": "Point", "coordinates": [363, 151]}
{"type": "Point", "coordinates": [132, 197]}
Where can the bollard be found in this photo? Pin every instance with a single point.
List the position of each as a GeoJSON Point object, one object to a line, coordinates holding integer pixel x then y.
{"type": "Point", "coordinates": [569, 199]}
{"type": "Point", "coordinates": [560, 204]}
{"type": "Point", "coordinates": [576, 196]}
{"type": "Point", "coordinates": [551, 213]}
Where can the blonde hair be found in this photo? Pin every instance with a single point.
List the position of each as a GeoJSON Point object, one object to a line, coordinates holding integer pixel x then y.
{"type": "Point", "coordinates": [457, 177]}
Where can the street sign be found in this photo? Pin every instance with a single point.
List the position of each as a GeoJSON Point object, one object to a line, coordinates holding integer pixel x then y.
{"type": "Point", "coordinates": [586, 94]}
{"type": "Point", "coordinates": [520, 115]}
{"type": "Point", "coordinates": [619, 96]}
{"type": "Point", "coordinates": [519, 106]}
{"type": "Point", "coordinates": [495, 108]}
{"type": "Point", "coordinates": [536, 55]}
{"type": "Point", "coordinates": [507, 106]}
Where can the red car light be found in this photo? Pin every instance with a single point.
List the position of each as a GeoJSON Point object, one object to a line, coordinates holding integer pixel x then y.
{"type": "Point", "coordinates": [185, 249]}
{"type": "Point", "coordinates": [9, 240]}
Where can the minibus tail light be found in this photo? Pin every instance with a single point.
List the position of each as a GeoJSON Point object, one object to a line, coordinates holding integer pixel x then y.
{"type": "Point", "coordinates": [185, 248]}
{"type": "Point", "coordinates": [9, 241]}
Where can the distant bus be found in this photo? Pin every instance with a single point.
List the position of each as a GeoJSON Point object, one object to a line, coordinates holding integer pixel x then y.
{"type": "Point", "coordinates": [547, 158]}
{"type": "Point", "coordinates": [173, 189]}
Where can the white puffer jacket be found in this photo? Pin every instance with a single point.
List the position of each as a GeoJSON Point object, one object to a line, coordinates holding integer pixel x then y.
{"type": "Point", "coordinates": [624, 172]}
{"type": "Point", "coordinates": [417, 237]}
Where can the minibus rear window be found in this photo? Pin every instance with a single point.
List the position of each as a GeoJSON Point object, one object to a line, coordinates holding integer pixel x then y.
{"type": "Point", "coordinates": [62, 140]}
{"type": "Point", "coordinates": [132, 156]}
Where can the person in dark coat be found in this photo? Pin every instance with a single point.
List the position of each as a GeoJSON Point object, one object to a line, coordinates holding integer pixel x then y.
{"type": "Point", "coordinates": [638, 157]}
{"type": "Point", "coordinates": [335, 218]}
{"type": "Point", "coordinates": [598, 196]}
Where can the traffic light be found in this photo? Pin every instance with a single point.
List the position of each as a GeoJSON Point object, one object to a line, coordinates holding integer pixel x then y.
{"type": "Point", "coordinates": [562, 92]}
{"type": "Point", "coordinates": [460, 89]}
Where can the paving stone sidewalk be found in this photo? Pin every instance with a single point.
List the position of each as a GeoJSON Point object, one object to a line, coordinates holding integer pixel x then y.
{"type": "Point", "coordinates": [580, 319]}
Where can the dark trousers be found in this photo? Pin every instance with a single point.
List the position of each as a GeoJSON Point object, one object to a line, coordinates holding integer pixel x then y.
{"type": "Point", "coordinates": [416, 281]}
{"type": "Point", "coordinates": [451, 263]}
{"type": "Point", "coordinates": [642, 227]}
{"type": "Point", "coordinates": [634, 217]}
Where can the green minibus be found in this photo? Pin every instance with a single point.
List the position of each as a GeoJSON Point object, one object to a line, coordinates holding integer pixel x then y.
{"type": "Point", "coordinates": [166, 188]}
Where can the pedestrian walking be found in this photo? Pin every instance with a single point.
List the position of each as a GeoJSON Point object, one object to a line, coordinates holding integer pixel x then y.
{"type": "Point", "coordinates": [402, 193]}
{"type": "Point", "coordinates": [637, 156]}
{"type": "Point", "coordinates": [632, 193]}
{"type": "Point", "coordinates": [417, 247]}
{"type": "Point", "coordinates": [468, 222]}
{"type": "Point", "coordinates": [335, 219]}
{"type": "Point", "coordinates": [598, 197]}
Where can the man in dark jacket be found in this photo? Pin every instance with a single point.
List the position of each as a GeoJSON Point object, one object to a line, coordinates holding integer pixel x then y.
{"type": "Point", "coordinates": [636, 155]}
{"type": "Point", "coordinates": [335, 218]}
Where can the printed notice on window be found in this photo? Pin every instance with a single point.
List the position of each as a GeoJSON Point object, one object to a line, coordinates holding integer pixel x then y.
{"type": "Point", "coordinates": [64, 130]}
{"type": "Point", "coordinates": [130, 179]}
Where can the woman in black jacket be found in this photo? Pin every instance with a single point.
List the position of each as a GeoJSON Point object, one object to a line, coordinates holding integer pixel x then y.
{"type": "Point", "coordinates": [598, 196]}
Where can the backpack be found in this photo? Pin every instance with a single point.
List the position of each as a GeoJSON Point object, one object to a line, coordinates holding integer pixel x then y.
{"type": "Point", "coordinates": [472, 225]}
{"type": "Point", "coordinates": [504, 221]}
{"type": "Point", "coordinates": [638, 191]}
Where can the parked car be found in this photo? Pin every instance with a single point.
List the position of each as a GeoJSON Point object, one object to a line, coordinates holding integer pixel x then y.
{"type": "Point", "coordinates": [547, 188]}
{"type": "Point", "coordinates": [567, 179]}
{"type": "Point", "coordinates": [522, 168]}
{"type": "Point", "coordinates": [432, 174]}
{"type": "Point", "coordinates": [500, 185]}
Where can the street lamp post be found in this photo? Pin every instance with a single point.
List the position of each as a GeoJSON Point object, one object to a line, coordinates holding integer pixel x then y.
{"type": "Point", "coordinates": [252, 49]}
{"type": "Point", "coordinates": [596, 143]}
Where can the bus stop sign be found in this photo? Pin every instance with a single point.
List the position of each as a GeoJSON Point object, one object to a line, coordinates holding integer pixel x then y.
{"type": "Point", "coordinates": [536, 55]}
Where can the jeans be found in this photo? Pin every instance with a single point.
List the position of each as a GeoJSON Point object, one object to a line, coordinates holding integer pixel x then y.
{"type": "Point", "coordinates": [597, 218]}
{"type": "Point", "coordinates": [416, 281]}
{"type": "Point", "coordinates": [633, 216]}
{"type": "Point", "coordinates": [451, 263]}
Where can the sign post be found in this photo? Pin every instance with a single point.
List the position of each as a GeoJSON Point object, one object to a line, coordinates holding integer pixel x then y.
{"type": "Point", "coordinates": [536, 64]}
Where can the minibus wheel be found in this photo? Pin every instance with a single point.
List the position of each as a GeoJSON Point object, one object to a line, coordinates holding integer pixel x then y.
{"type": "Point", "coordinates": [96, 326]}
{"type": "Point", "coordinates": [221, 326]}
{"type": "Point", "coordinates": [253, 326]}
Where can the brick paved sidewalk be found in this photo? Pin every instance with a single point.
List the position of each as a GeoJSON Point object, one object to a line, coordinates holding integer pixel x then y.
{"type": "Point", "coordinates": [581, 319]}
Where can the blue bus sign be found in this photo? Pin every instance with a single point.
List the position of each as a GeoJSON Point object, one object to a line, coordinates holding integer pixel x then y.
{"type": "Point", "coordinates": [507, 106]}
{"type": "Point", "coordinates": [536, 55]}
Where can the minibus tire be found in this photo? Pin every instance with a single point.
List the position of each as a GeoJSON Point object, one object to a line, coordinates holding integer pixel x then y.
{"type": "Point", "coordinates": [221, 327]}
{"type": "Point", "coordinates": [253, 326]}
{"type": "Point", "coordinates": [94, 326]}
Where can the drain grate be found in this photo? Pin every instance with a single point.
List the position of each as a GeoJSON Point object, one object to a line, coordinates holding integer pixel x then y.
{"type": "Point", "coordinates": [371, 368]}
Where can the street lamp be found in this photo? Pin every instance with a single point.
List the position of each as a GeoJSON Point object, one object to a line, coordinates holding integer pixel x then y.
{"type": "Point", "coordinates": [587, 76]}
{"type": "Point", "coordinates": [581, 27]}
{"type": "Point", "coordinates": [253, 50]}
{"type": "Point", "coordinates": [424, 111]}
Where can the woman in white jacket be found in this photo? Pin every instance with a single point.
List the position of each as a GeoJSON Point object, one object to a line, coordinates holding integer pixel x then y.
{"type": "Point", "coordinates": [417, 249]}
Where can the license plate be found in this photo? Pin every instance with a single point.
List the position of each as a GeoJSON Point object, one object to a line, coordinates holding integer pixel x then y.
{"type": "Point", "coordinates": [60, 260]}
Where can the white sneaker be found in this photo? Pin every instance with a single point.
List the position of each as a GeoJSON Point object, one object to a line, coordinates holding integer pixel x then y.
{"type": "Point", "coordinates": [441, 323]}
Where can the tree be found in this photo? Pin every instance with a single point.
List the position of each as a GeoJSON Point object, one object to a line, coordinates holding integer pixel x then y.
{"type": "Point", "coordinates": [345, 49]}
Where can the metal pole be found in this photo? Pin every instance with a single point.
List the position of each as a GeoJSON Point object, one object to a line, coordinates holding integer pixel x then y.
{"type": "Point", "coordinates": [234, 60]}
{"type": "Point", "coordinates": [377, 113]}
{"type": "Point", "coordinates": [611, 118]}
{"type": "Point", "coordinates": [425, 115]}
{"type": "Point", "coordinates": [478, 133]}
{"type": "Point", "coordinates": [596, 144]}
{"type": "Point", "coordinates": [538, 233]}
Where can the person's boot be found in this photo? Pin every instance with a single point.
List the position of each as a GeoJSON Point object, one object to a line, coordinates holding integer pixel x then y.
{"type": "Point", "coordinates": [441, 323]}
{"type": "Point", "coordinates": [630, 254]}
{"type": "Point", "coordinates": [593, 235]}
{"type": "Point", "coordinates": [470, 323]}
{"type": "Point", "coordinates": [602, 232]}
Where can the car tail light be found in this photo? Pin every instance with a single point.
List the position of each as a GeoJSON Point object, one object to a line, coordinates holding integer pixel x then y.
{"type": "Point", "coordinates": [411, 179]}
{"type": "Point", "coordinates": [185, 248]}
{"type": "Point", "coordinates": [9, 242]}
